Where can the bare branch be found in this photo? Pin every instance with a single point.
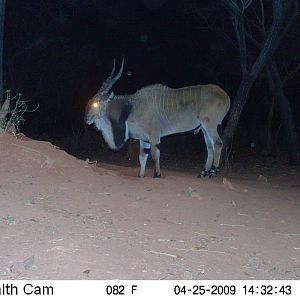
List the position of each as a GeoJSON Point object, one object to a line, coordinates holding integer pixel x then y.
{"type": "Point", "coordinates": [262, 9]}
{"type": "Point", "coordinates": [238, 22]}
{"type": "Point", "coordinates": [272, 40]}
{"type": "Point", "coordinates": [245, 4]}
{"type": "Point", "coordinates": [233, 8]}
{"type": "Point", "coordinates": [292, 18]}
{"type": "Point", "coordinates": [3, 113]}
{"type": "Point", "coordinates": [16, 114]}
{"type": "Point", "coordinates": [291, 74]}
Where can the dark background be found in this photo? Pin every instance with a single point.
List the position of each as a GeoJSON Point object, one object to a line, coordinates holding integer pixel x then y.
{"type": "Point", "coordinates": [57, 53]}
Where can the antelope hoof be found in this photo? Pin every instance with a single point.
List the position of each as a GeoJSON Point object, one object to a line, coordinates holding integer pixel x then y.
{"type": "Point", "coordinates": [203, 174]}
{"type": "Point", "coordinates": [156, 175]}
{"type": "Point", "coordinates": [213, 172]}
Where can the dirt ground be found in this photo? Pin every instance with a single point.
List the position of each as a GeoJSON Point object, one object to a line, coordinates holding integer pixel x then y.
{"type": "Point", "coordinates": [64, 218]}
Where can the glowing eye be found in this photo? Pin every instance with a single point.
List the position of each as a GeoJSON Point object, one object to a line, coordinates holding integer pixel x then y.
{"type": "Point", "coordinates": [95, 104]}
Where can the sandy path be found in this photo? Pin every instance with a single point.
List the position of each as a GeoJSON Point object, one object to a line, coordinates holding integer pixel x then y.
{"type": "Point", "coordinates": [61, 218]}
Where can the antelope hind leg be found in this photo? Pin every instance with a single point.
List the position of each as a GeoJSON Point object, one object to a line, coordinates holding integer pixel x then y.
{"type": "Point", "coordinates": [217, 146]}
{"type": "Point", "coordinates": [210, 155]}
{"type": "Point", "coordinates": [155, 153]}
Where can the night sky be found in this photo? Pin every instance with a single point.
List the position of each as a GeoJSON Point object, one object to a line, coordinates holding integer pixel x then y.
{"type": "Point", "coordinates": [58, 52]}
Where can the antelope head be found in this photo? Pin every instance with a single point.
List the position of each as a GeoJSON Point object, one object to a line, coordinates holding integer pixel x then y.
{"type": "Point", "coordinates": [107, 114]}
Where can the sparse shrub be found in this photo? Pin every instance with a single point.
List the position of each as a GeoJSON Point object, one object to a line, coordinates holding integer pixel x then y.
{"type": "Point", "coordinates": [12, 118]}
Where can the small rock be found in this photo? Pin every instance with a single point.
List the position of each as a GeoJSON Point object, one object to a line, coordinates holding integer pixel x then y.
{"type": "Point", "coordinates": [86, 272]}
{"type": "Point", "coordinates": [187, 275]}
{"type": "Point", "coordinates": [28, 263]}
{"type": "Point", "coordinates": [192, 193]}
{"type": "Point", "coordinates": [9, 218]}
{"type": "Point", "coordinates": [227, 183]}
{"type": "Point", "coordinates": [262, 179]}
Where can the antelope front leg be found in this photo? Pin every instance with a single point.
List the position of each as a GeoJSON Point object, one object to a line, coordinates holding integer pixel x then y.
{"type": "Point", "coordinates": [155, 154]}
{"type": "Point", "coordinates": [144, 153]}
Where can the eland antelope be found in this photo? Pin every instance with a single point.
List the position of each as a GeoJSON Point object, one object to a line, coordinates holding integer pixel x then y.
{"type": "Point", "coordinates": [156, 111]}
